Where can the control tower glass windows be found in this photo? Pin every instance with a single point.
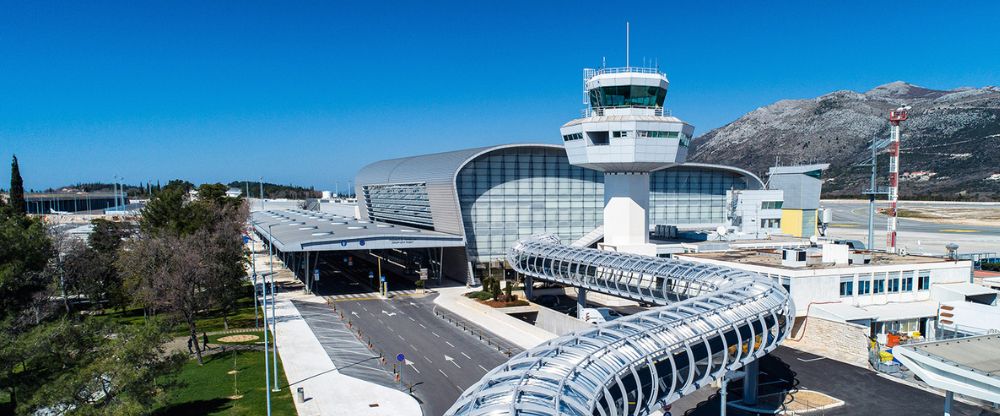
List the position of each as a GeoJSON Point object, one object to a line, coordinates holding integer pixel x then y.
{"type": "Point", "coordinates": [658, 134]}
{"type": "Point", "coordinates": [627, 96]}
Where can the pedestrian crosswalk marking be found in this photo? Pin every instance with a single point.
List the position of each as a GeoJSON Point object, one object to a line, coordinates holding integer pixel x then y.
{"type": "Point", "coordinates": [370, 295]}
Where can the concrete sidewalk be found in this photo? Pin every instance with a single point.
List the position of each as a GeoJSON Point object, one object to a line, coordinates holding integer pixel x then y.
{"type": "Point", "coordinates": [327, 391]}
{"type": "Point", "coordinates": [307, 365]}
{"type": "Point", "coordinates": [505, 326]}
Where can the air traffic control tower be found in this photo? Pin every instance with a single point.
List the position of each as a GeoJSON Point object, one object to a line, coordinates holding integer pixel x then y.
{"type": "Point", "coordinates": [625, 133]}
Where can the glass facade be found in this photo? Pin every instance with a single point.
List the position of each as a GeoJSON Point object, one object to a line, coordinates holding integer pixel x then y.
{"type": "Point", "coordinates": [399, 203]}
{"type": "Point", "coordinates": [513, 193]}
{"type": "Point", "coordinates": [687, 195]}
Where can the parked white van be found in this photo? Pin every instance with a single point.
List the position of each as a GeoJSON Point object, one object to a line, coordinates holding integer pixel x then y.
{"type": "Point", "coordinates": [599, 315]}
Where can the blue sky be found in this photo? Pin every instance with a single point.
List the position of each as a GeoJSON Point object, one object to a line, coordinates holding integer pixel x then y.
{"type": "Point", "coordinates": [308, 92]}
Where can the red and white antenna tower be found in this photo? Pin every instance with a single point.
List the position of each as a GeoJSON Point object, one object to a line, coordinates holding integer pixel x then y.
{"type": "Point", "coordinates": [895, 117]}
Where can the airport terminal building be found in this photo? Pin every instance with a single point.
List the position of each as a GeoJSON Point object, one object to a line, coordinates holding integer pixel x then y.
{"type": "Point", "coordinates": [493, 196]}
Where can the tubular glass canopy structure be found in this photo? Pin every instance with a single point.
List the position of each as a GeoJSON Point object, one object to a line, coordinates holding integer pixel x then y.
{"type": "Point", "coordinates": [711, 320]}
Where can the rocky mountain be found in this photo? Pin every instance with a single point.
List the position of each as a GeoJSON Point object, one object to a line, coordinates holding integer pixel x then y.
{"type": "Point", "coordinates": [950, 145]}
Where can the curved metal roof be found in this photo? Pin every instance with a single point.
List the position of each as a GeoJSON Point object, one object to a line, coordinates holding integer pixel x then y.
{"type": "Point", "coordinates": [444, 166]}
{"type": "Point", "coordinates": [439, 172]}
{"type": "Point", "coordinates": [429, 168]}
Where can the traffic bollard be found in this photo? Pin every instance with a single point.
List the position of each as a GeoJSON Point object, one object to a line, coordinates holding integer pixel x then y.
{"type": "Point", "coordinates": [302, 394]}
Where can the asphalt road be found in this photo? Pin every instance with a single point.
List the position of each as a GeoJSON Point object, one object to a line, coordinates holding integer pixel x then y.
{"type": "Point", "coordinates": [863, 391]}
{"type": "Point", "coordinates": [854, 214]}
{"type": "Point", "coordinates": [441, 361]}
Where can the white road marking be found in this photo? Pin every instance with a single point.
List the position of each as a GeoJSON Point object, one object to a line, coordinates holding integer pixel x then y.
{"type": "Point", "coordinates": [387, 313]}
{"type": "Point", "coordinates": [366, 309]}
{"type": "Point", "coordinates": [466, 356]}
{"type": "Point", "coordinates": [442, 373]}
{"type": "Point", "coordinates": [400, 337]}
{"type": "Point", "coordinates": [390, 328]}
{"type": "Point", "coordinates": [422, 325]}
{"type": "Point", "coordinates": [484, 368]}
{"type": "Point", "coordinates": [449, 344]}
{"type": "Point", "coordinates": [429, 360]}
{"type": "Point", "coordinates": [435, 334]}
{"type": "Point", "coordinates": [411, 318]}
{"type": "Point", "coordinates": [452, 360]}
{"type": "Point", "coordinates": [412, 347]}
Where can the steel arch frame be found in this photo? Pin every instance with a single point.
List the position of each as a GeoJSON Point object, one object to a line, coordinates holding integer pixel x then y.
{"type": "Point", "coordinates": [710, 320]}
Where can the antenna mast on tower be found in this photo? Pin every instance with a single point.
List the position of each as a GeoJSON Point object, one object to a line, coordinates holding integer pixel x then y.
{"type": "Point", "coordinates": [895, 117]}
{"type": "Point", "coordinates": [626, 45]}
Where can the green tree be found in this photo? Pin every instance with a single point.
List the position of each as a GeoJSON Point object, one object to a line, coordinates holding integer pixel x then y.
{"type": "Point", "coordinates": [25, 250]}
{"type": "Point", "coordinates": [189, 257]}
{"type": "Point", "coordinates": [168, 212]}
{"type": "Point", "coordinates": [17, 201]}
{"type": "Point", "coordinates": [92, 367]}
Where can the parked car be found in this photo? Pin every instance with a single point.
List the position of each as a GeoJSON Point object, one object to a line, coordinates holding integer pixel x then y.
{"type": "Point", "coordinates": [599, 315]}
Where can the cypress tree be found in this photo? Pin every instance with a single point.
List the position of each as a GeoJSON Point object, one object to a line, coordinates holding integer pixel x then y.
{"type": "Point", "coordinates": [17, 203]}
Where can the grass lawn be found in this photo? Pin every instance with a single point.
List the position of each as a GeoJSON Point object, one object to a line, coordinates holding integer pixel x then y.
{"type": "Point", "coordinates": [211, 321]}
{"type": "Point", "coordinates": [207, 389]}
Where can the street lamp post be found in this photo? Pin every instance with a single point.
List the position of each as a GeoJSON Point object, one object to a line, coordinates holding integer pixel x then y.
{"type": "Point", "coordinates": [273, 321]}
{"type": "Point", "coordinates": [253, 268]}
{"type": "Point", "coordinates": [267, 367]}
{"type": "Point", "coordinates": [261, 193]}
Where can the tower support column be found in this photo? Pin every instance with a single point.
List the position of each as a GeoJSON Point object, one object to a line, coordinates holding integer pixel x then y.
{"type": "Point", "coordinates": [626, 216]}
{"type": "Point", "coordinates": [750, 383]}
{"type": "Point", "coordinates": [581, 301]}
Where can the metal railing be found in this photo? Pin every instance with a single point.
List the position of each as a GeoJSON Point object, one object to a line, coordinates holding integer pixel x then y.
{"type": "Point", "coordinates": [599, 111]}
{"type": "Point", "coordinates": [627, 69]}
{"type": "Point", "coordinates": [711, 320]}
{"type": "Point", "coordinates": [485, 336]}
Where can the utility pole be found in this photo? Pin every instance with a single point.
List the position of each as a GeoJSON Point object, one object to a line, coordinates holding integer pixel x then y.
{"type": "Point", "coordinates": [262, 198]}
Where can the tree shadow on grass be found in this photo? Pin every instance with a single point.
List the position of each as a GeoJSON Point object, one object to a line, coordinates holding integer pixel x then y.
{"type": "Point", "coordinates": [195, 407]}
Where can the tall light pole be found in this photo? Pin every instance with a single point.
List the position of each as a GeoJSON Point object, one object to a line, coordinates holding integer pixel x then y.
{"type": "Point", "coordinates": [262, 196]}
{"type": "Point", "coordinates": [253, 268]}
{"type": "Point", "coordinates": [267, 368]}
{"type": "Point", "coordinates": [274, 323]}
{"type": "Point", "coordinates": [114, 185]}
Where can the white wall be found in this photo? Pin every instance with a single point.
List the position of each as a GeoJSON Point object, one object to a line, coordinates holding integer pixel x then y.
{"type": "Point", "coordinates": [810, 285]}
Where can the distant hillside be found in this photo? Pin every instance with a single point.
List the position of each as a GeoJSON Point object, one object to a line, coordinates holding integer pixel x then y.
{"type": "Point", "coordinates": [273, 190]}
{"type": "Point", "coordinates": [950, 144]}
